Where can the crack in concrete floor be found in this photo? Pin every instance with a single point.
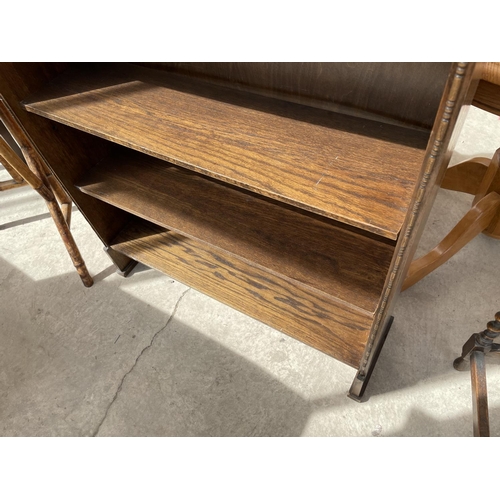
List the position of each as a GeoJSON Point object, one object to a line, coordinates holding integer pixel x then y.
{"type": "Point", "coordinates": [120, 385]}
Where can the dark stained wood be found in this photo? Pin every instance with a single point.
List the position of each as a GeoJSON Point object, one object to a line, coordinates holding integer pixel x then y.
{"type": "Point", "coordinates": [480, 410]}
{"type": "Point", "coordinates": [356, 171]}
{"type": "Point", "coordinates": [369, 175]}
{"type": "Point", "coordinates": [404, 92]}
{"type": "Point", "coordinates": [313, 318]}
{"type": "Point", "coordinates": [290, 243]}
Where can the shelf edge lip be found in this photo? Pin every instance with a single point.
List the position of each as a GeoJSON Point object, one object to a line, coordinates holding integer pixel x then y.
{"type": "Point", "coordinates": [391, 234]}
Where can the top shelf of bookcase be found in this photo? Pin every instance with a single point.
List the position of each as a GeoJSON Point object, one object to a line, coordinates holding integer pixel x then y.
{"type": "Point", "coordinates": [357, 171]}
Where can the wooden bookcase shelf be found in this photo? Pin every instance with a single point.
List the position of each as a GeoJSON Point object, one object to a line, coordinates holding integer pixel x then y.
{"type": "Point", "coordinates": [357, 171]}
{"type": "Point", "coordinates": [293, 192]}
{"type": "Point", "coordinates": [348, 266]}
{"type": "Point", "coordinates": [300, 311]}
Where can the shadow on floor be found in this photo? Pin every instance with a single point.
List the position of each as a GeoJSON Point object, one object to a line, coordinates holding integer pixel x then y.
{"type": "Point", "coordinates": [462, 425]}
{"type": "Point", "coordinates": [70, 357]}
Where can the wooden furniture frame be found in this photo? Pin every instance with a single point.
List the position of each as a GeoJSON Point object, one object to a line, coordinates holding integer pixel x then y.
{"type": "Point", "coordinates": [36, 173]}
{"type": "Point", "coordinates": [477, 176]}
{"type": "Point", "coordinates": [293, 192]}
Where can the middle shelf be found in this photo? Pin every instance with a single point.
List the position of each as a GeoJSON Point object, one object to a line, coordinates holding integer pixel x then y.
{"type": "Point", "coordinates": [348, 266]}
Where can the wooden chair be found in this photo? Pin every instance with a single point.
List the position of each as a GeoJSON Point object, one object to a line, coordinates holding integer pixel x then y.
{"type": "Point", "coordinates": [36, 173]}
{"type": "Point", "coordinates": [478, 176]}
{"type": "Point", "coordinates": [481, 178]}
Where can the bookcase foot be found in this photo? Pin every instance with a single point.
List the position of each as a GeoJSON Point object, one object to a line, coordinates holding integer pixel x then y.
{"type": "Point", "coordinates": [123, 263]}
{"type": "Point", "coordinates": [358, 387]}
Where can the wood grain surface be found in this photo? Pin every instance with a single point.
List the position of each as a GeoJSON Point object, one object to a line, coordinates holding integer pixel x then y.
{"type": "Point", "coordinates": [289, 242]}
{"type": "Point", "coordinates": [407, 93]}
{"type": "Point", "coordinates": [487, 97]}
{"type": "Point", "coordinates": [353, 170]}
{"type": "Point", "coordinates": [299, 312]}
{"type": "Point", "coordinates": [491, 72]}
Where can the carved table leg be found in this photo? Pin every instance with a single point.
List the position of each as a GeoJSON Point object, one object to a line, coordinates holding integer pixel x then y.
{"type": "Point", "coordinates": [476, 348]}
{"type": "Point", "coordinates": [479, 394]}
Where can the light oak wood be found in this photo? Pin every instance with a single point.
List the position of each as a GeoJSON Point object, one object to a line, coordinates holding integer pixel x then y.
{"type": "Point", "coordinates": [491, 175]}
{"type": "Point", "coordinates": [491, 72]}
{"type": "Point", "coordinates": [466, 176]}
{"type": "Point", "coordinates": [356, 171]}
{"type": "Point", "coordinates": [11, 184]}
{"type": "Point", "coordinates": [312, 317]}
{"type": "Point", "coordinates": [477, 219]}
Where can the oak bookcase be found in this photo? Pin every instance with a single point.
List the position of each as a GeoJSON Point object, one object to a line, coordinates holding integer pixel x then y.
{"type": "Point", "coordinates": [293, 192]}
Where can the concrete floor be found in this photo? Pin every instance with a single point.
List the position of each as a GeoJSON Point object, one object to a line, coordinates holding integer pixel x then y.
{"type": "Point", "coordinates": [147, 356]}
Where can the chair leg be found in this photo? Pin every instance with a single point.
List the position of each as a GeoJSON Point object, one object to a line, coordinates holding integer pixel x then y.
{"type": "Point", "coordinates": [37, 174]}
{"type": "Point", "coordinates": [64, 201]}
{"type": "Point", "coordinates": [69, 242]}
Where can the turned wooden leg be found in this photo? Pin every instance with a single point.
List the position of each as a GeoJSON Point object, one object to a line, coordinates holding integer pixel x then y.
{"type": "Point", "coordinates": [69, 242]}
{"type": "Point", "coordinates": [63, 199]}
{"type": "Point", "coordinates": [481, 420]}
{"type": "Point", "coordinates": [17, 180]}
{"type": "Point", "coordinates": [475, 349]}
{"type": "Point", "coordinates": [35, 177]}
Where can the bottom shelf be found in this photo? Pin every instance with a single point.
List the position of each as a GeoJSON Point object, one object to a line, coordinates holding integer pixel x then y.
{"type": "Point", "coordinates": [312, 317]}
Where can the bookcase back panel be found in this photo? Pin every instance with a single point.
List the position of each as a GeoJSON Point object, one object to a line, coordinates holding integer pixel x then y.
{"type": "Point", "coordinates": [408, 93]}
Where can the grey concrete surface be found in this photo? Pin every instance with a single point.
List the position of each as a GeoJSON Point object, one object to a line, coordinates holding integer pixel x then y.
{"type": "Point", "coordinates": [147, 356]}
